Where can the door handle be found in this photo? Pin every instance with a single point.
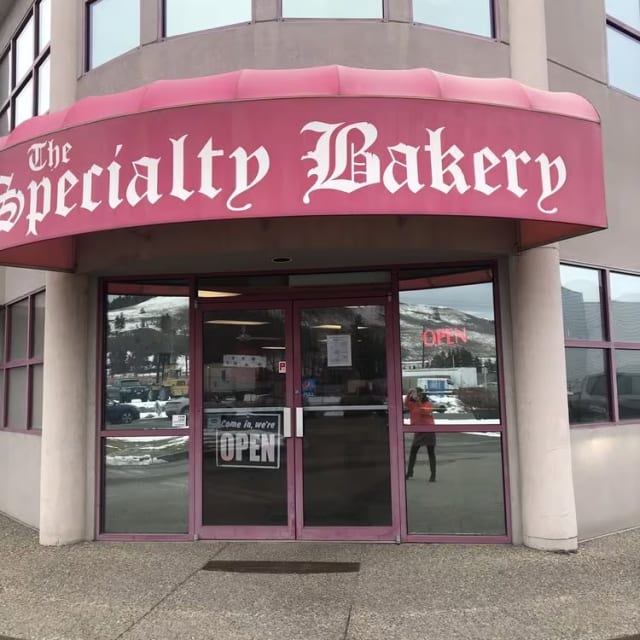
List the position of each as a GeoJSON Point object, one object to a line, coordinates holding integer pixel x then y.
{"type": "Point", "coordinates": [299, 423]}
{"type": "Point", "coordinates": [286, 422]}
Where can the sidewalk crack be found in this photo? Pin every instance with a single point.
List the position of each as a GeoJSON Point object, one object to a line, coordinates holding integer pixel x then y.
{"type": "Point", "coordinates": [169, 593]}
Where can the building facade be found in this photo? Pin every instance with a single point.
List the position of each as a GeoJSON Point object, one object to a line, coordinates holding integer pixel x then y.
{"type": "Point", "coordinates": [280, 269]}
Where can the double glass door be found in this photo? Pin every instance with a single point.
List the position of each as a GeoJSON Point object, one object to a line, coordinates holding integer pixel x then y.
{"type": "Point", "coordinates": [295, 435]}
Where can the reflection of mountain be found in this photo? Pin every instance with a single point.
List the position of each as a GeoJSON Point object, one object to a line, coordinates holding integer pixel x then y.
{"type": "Point", "coordinates": [414, 319]}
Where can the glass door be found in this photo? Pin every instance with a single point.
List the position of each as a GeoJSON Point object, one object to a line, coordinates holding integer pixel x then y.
{"type": "Point", "coordinates": [246, 463]}
{"type": "Point", "coordinates": [343, 449]}
{"type": "Point", "coordinates": [295, 422]}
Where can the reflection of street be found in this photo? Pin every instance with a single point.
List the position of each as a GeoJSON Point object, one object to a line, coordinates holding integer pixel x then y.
{"type": "Point", "coordinates": [468, 496]}
{"type": "Point", "coordinates": [147, 498]}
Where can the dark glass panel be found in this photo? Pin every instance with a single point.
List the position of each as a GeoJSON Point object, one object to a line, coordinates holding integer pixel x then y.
{"type": "Point", "coordinates": [628, 381]}
{"type": "Point", "coordinates": [17, 392]}
{"type": "Point", "coordinates": [38, 325]}
{"type": "Point", "coordinates": [36, 396]}
{"type": "Point", "coordinates": [19, 315]}
{"type": "Point", "coordinates": [582, 308]}
{"type": "Point", "coordinates": [625, 307]}
{"type": "Point", "coordinates": [587, 385]}
{"type": "Point", "coordinates": [466, 496]}
{"type": "Point", "coordinates": [346, 477]}
{"type": "Point", "coordinates": [146, 485]}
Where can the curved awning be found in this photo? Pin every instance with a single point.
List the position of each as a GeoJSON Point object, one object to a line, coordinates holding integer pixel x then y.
{"type": "Point", "coordinates": [300, 142]}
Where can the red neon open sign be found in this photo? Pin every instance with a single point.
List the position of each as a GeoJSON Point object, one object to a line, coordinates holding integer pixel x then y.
{"type": "Point", "coordinates": [449, 336]}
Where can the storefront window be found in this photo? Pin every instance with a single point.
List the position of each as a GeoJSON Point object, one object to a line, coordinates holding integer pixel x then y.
{"type": "Point", "coordinates": [623, 44]}
{"type": "Point", "coordinates": [470, 16]}
{"type": "Point", "coordinates": [185, 16]}
{"type": "Point", "coordinates": [147, 364]}
{"type": "Point", "coordinates": [448, 343]}
{"type": "Point", "coordinates": [114, 29]}
{"type": "Point", "coordinates": [146, 485]}
{"type": "Point", "coordinates": [332, 9]}
{"type": "Point", "coordinates": [628, 381]}
{"type": "Point", "coordinates": [456, 485]}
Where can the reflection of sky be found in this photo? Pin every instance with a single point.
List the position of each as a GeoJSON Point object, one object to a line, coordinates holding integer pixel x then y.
{"type": "Point", "coordinates": [474, 299]}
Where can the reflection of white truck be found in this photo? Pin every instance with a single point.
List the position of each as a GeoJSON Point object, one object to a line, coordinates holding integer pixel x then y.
{"type": "Point", "coordinates": [441, 381]}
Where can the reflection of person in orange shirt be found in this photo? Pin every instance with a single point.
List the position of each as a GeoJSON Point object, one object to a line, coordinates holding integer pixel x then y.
{"type": "Point", "coordinates": [421, 415]}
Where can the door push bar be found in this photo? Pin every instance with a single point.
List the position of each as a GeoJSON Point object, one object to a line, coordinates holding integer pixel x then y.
{"type": "Point", "coordinates": [286, 426]}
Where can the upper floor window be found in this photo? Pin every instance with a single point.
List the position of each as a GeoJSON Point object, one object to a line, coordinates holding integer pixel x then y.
{"type": "Point", "coordinates": [114, 29]}
{"type": "Point", "coordinates": [363, 9]}
{"type": "Point", "coordinates": [470, 16]}
{"type": "Point", "coordinates": [185, 16]}
{"type": "Point", "coordinates": [602, 344]}
{"type": "Point", "coordinates": [21, 363]}
{"type": "Point", "coordinates": [623, 44]}
{"type": "Point", "coordinates": [24, 69]}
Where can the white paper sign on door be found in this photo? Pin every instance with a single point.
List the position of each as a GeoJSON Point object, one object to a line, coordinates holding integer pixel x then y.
{"type": "Point", "coordinates": [339, 350]}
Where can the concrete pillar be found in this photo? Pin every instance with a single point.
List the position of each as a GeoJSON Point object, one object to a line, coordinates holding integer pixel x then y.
{"type": "Point", "coordinates": [63, 470]}
{"type": "Point", "coordinates": [546, 481]}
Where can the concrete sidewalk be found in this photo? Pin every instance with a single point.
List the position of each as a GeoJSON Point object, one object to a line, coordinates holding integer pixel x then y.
{"type": "Point", "coordinates": [159, 591]}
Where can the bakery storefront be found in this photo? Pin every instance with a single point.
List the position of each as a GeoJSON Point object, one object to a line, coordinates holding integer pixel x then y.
{"type": "Point", "coordinates": [275, 259]}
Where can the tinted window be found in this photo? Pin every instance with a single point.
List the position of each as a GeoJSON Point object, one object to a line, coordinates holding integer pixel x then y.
{"type": "Point", "coordinates": [114, 29]}
{"type": "Point", "coordinates": [625, 307]}
{"type": "Point", "coordinates": [587, 385]}
{"type": "Point", "coordinates": [184, 16]}
{"type": "Point", "coordinates": [628, 381]}
{"type": "Point", "coordinates": [581, 303]}
{"type": "Point", "coordinates": [471, 16]}
{"type": "Point", "coordinates": [331, 9]}
{"type": "Point", "coordinates": [624, 61]}
{"type": "Point", "coordinates": [624, 10]}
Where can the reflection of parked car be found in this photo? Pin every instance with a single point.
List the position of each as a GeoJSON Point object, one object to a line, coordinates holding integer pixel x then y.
{"type": "Point", "coordinates": [121, 413]}
{"type": "Point", "coordinates": [591, 402]}
{"type": "Point", "coordinates": [176, 406]}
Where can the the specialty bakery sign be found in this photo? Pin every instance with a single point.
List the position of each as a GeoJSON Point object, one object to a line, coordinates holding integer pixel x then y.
{"type": "Point", "coordinates": [306, 156]}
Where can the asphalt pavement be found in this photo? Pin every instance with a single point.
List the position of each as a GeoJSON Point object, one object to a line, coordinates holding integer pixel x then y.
{"type": "Point", "coordinates": [163, 591]}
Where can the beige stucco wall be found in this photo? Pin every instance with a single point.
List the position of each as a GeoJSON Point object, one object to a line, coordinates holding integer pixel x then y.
{"type": "Point", "coordinates": [605, 459]}
{"type": "Point", "coordinates": [20, 476]}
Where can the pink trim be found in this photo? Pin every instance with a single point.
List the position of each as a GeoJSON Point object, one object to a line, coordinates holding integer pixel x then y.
{"type": "Point", "coordinates": [334, 80]}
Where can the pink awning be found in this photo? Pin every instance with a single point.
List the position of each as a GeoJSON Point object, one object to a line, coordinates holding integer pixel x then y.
{"type": "Point", "coordinates": [321, 141]}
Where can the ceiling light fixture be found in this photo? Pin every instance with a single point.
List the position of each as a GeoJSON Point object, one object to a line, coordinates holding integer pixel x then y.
{"type": "Point", "coordinates": [238, 323]}
{"type": "Point", "coordinates": [205, 293]}
{"type": "Point", "coordinates": [337, 327]}
{"type": "Point", "coordinates": [281, 259]}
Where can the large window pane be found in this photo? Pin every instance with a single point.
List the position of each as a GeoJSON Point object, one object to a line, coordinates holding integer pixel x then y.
{"type": "Point", "coordinates": [24, 104]}
{"type": "Point", "coordinates": [587, 385]}
{"type": "Point", "coordinates": [184, 16]}
{"type": "Point", "coordinates": [2, 325]}
{"type": "Point", "coordinates": [36, 397]}
{"type": "Point", "coordinates": [628, 381]}
{"type": "Point", "coordinates": [448, 343]}
{"type": "Point", "coordinates": [19, 315]}
{"type": "Point", "coordinates": [581, 303]}
{"type": "Point", "coordinates": [38, 326]}
{"type": "Point", "coordinates": [625, 307]}
{"type": "Point", "coordinates": [2, 424]}
{"type": "Point", "coordinates": [627, 11]}
{"type": "Point", "coordinates": [17, 381]}
{"type": "Point", "coordinates": [25, 49]}
{"type": "Point", "coordinates": [331, 9]}
{"type": "Point", "coordinates": [624, 61]}
{"type": "Point", "coordinates": [114, 29]}
{"type": "Point", "coordinates": [467, 495]}
{"type": "Point", "coordinates": [146, 485]}
{"type": "Point", "coordinates": [44, 86]}
{"type": "Point", "coordinates": [44, 30]}
{"type": "Point", "coordinates": [471, 16]}
{"type": "Point", "coordinates": [147, 361]}
{"type": "Point", "coordinates": [4, 122]}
